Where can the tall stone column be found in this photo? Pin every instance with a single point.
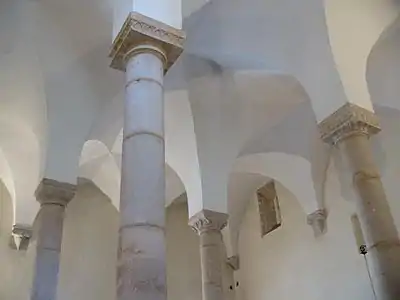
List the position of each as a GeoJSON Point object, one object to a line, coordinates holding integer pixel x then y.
{"type": "Point", "coordinates": [350, 128]}
{"type": "Point", "coordinates": [144, 49]}
{"type": "Point", "coordinates": [208, 224]}
{"type": "Point", "coordinates": [53, 197]}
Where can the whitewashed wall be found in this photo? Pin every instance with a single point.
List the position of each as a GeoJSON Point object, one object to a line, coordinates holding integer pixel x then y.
{"type": "Point", "coordinates": [183, 256]}
{"type": "Point", "coordinates": [291, 264]}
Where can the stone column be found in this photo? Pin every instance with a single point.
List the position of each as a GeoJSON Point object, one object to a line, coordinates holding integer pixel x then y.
{"type": "Point", "coordinates": [350, 128]}
{"type": "Point", "coordinates": [53, 197]}
{"type": "Point", "coordinates": [208, 224]}
{"type": "Point", "coordinates": [144, 49]}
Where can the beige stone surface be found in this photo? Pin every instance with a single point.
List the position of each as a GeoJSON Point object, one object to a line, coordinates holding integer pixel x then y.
{"type": "Point", "coordinates": [348, 120]}
{"type": "Point", "coordinates": [53, 197]}
{"type": "Point", "coordinates": [140, 30]}
{"type": "Point", "coordinates": [208, 224]}
{"type": "Point", "coordinates": [141, 267]}
{"type": "Point", "coordinates": [350, 129]}
{"type": "Point", "coordinates": [374, 212]}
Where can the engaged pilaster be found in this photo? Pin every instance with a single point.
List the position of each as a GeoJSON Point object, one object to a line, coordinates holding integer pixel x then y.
{"type": "Point", "coordinates": [53, 197]}
{"type": "Point", "coordinates": [208, 224]}
{"type": "Point", "coordinates": [349, 128]}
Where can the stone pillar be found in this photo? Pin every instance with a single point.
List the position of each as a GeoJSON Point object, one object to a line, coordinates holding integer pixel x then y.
{"type": "Point", "coordinates": [350, 128]}
{"type": "Point", "coordinates": [208, 224]}
{"type": "Point", "coordinates": [53, 197]}
{"type": "Point", "coordinates": [144, 49]}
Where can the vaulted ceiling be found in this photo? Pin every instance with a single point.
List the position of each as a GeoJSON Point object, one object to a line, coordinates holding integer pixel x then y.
{"type": "Point", "coordinates": [255, 77]}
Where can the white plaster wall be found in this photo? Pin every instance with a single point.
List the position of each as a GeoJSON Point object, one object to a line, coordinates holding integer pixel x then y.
{"type": "Point", "coordinates": [89, 249]}
{"type": "Point", "coordinates": [190, 6]}
{"type": "Point", "coordinates": [354, 26]}
{"type": "Point", "coordinates": [166, 11]}
{"type": "Point", "coordinates": [181, 146]}
{"type": "Point", "coordinates": [293, 171]}
{"type": "Point", "coordinates": [89, 252]}
{"type": "Point", "coordinates": [387, 147]}
{"type": "Point", "coordinates": [183, 254]}
{"type": "Point", "coordinates": [291, 264]}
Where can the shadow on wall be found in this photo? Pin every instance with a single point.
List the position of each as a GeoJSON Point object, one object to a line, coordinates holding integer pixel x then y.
{"type": "Point", "coordinates": [183, 254]}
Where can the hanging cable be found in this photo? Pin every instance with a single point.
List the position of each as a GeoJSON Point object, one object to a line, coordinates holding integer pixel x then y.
{"type": "Point", "coordinates": [363, 252]}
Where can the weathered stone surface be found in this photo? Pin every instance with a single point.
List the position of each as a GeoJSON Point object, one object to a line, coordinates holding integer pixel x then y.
{"type": "Point", "coordinates": [208, 224]}
{"type": "Point", "coordinates": [141, 270]}
{"type": "Point", "coordinates": [374, 213]}
{"type": "Point", "coordinates": [53, 196]}
{"type": "Point", "coordinates": [348, 120]}
{"type": "Point", "coordinates": [350, 128]}
{"type": "Point", "coordinates": [139, 30]}
{"type": "Point", "coordinates": [268, 207]}
{"type": "Point", "coordinates": [207, 220]}
{"type": "Point", "coordinates": [52, 191]}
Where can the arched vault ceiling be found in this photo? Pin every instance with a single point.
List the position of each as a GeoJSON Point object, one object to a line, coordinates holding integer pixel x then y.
{"type": "Point", "coordinates": [259, 34]}
{"type": "Point", "coordinates": [270, 66]}
{"type": "Point", "coordinates": [103, 168]}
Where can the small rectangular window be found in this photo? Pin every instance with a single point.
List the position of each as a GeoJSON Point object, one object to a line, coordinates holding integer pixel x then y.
{"type": "Point", "coordinates": [268, 205]}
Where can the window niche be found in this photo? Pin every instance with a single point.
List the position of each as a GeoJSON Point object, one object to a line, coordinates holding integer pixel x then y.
{"type": "Point", "coordinates": [268, 207]}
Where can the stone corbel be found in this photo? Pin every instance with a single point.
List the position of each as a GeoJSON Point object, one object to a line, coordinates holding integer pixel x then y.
{"type": "Point", "coordinates": [233, 262]}
{"type": "Point", "coordinates": [20, 237]}
{"type": "Point", "coordinates": [318, 221]}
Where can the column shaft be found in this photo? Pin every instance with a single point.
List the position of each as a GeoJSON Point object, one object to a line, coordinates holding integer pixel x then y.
{"type": "Point", "coordinates": [141, 261]}
{"type": "Point", "coordinates": [50, 228]}
{"type": "Point", "coordinates": [350, 128]}
{"type": "Point", "coordinates": [374, 213]}
{"type": "Point", "coordinates": [145, 48]}
{"type": "Point", "coordinates": [211, 264]}
{"type": "Point", "coordinates": [53, 197]}
{"type": "Point", "coordinates": [208, 224]}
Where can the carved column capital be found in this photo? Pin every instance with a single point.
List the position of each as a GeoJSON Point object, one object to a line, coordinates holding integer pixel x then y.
{"type": "Point", "coordinates": [208, 220]}
{"type": "Point", "coordinates": [348, 120]}
{"type": "Point", "coordinates": [140, 31]}
{"type": "Point", "coordinates": [20, 236]}
{"type": "Point", "coordinates": [317, 220]}
{"type": "Point", "coordinates": [52, 191]}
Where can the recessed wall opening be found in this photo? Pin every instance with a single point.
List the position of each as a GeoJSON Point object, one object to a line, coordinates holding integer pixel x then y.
{"type": "Point", "coordinates": [268, 207]}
